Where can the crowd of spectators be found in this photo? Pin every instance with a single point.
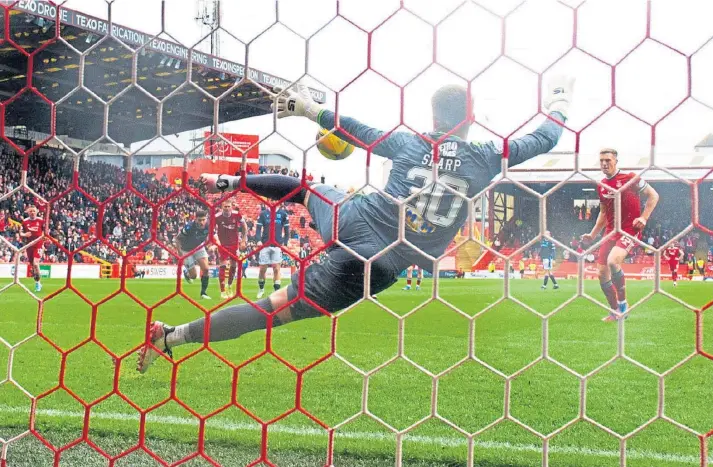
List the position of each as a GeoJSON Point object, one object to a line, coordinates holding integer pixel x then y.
{"type": "Point", "coordinates": [568, 220]}
{"type": "Point", "coordinates": [283, 171]}
{"type": "Point", "coordinates": [262, 169]}
{"type": "Point", "coordinates": [127, 220]}
{"type": "Point", "coordinates": [564, 222]}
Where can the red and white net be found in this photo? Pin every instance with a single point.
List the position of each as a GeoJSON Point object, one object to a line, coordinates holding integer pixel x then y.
{"type": "Point", "coordinates": [643, 87]}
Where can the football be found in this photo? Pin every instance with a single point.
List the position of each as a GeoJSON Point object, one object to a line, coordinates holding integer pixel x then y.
{"type": "Point", "coordinates": [331, 147]}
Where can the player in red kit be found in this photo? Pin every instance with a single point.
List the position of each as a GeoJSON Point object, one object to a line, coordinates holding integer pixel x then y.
{"type": "Point", "coordinates": [229, 225]}
{"type": "Point", "coordinates": [614, 250]}
{"type": "Point", "coordinates": [673, 254]}
{"type": "Point", "coordinates": [32, 228]}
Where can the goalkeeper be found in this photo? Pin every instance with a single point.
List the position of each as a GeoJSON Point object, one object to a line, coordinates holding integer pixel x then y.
{"type": "Point", "coordinates": [368, 224]}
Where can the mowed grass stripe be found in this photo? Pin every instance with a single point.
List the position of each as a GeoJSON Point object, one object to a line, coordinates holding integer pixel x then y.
{"type": "Point", "coordinates": [659, 334]}
{"type": "Point", "coordinates": [371, 436]}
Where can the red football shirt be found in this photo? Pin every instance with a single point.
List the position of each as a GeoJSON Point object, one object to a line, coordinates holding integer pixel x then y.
{"type": "Point", "coordinates": [34, 226]}
{"type": "Point", "coordinates": [672, 254]}
{"type": "Point", "coordinates": [228, 228]}
{"type": "Point", "coordinates": [630, 200]}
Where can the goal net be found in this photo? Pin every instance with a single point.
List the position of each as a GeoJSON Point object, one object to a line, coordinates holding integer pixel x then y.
{"type": "Point", "coordinates": [492, 352]}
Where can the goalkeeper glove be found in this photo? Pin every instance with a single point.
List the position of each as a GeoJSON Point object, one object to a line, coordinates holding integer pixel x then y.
{"type": "Point", "coordinates": [296, 102]}
{"type": "Point", "coordinates": [558, 96]}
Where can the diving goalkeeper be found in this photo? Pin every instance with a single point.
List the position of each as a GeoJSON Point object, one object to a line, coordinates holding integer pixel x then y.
{"type": "Point", "coordinates": [368, 224]}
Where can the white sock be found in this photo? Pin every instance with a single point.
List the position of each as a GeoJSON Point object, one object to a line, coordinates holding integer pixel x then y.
{"type": "Point", "coordinates": [178, 336]}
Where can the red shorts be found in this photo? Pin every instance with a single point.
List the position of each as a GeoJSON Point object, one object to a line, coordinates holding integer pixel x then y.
{"type": "Point", "coordinates": [673, 265]}
{"type": "Point", "coordinates": [34, 252]}
{"type": "Point", "coordinates": [619, 240]}
{"type": "Point", "coordinates": [223, 252]}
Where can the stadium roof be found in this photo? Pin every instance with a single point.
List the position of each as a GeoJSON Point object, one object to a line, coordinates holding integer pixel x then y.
{"type": "Point", "coordinates": [161, 68]}
{"type": "Point", "coordinates": [554, 167]}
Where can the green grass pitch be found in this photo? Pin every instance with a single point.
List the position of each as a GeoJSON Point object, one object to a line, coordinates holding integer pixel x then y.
{"type": "Point", "coordinates": [658, 334]}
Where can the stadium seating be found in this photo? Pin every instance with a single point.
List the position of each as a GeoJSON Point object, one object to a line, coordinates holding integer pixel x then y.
{"type": "Point", "coordinates": [73, 217]}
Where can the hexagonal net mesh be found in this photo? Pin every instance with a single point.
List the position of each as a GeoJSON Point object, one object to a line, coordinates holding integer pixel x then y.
{"type": "Point", "coordinates": [499, 370]}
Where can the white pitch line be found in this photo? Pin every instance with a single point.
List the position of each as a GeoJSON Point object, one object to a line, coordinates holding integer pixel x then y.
{"type": "Point", "coordinates": [365, 435]}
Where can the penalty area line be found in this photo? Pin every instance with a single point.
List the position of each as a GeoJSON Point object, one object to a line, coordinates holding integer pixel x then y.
{"type": "Point", "coordinates": [442, 441]}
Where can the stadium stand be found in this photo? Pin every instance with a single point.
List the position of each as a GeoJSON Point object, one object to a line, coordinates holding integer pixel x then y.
{"type": "Point", "coordinates": [568, 220]}
{"type": "Point", "coordinates": [127, 220]}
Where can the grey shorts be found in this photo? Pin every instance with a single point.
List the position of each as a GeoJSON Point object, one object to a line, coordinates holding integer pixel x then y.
{"type": "Point", "coordinates": [338, 281]}
{"type": "Point", "coordinates": [191, 261]}
{"type": "Point", "coordinates": [270, 255]}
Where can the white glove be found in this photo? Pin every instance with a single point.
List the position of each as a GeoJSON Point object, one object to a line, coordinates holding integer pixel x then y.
{"type": "Point", "coordinates": [296, 102]}
{"type": "Point", "coordinates": [558, 96]}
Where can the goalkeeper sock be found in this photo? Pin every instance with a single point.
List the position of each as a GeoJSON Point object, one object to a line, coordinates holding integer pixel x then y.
{"type": "Point", "coordinates": [554, 281]}
{"type": "Point", "coordinates": [546, 279]}
{"type": "Point", "coordinates": [271, 186]}
{"type": "Point", "coordinates": [204, 284]}
{"type": "Point", "coordinates": [276, 285]}
{"type": "Point", "coordinates": [610, 294]}
{"type": "Point", "coordinates": [619, 282]}
{"type": "Point", "coordinates": [261, 284]}
{"type": "Point", "coordinates": [228, 323]}
{"type": "Point", "coordinates": [221, 278]}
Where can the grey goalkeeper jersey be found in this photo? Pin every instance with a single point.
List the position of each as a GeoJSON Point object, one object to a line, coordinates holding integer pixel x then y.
{"type": "Point", "coordinates": [436, 214]}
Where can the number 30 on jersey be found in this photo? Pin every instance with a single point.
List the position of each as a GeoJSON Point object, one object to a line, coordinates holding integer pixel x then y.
{"type": "Point", "coordinates": [431, 203]}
